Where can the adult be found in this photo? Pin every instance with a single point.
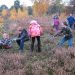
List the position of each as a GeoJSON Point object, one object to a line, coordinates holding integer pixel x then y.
{"type": "Point", "coordinates": [71, 20]}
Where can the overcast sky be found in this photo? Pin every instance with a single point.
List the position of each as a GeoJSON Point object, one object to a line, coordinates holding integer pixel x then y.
{"type": "Point", "coordinates": [9, 3]}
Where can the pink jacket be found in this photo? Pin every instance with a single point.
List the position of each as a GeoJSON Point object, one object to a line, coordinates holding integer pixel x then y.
{"type": "Point", "coordinates": [56, 21]}
{"type": "Point", "coordinates": [35, 30]}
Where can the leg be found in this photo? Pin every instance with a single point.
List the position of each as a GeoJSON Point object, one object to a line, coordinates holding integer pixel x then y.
{"type": "Point", "coordinates": [70, 42]}
{"type": "Point", "coordinates": [71, 26]}
{"type": "Point", "coordinates": [62, 41]}
{"type": "Point", "coordinates": [18, 42]}
{"type": "Point", "coordinates": [1, 46]}
{"type": "Point", "coordinates": [57, 27]}
{"type": "Point", "coordinates": [32, 43]}
{"type": "Point", "coordinates": [39, 43]}
{"type": "Point", "coordinates": [21, 45]}
{"type": "Point", "coordinates": [74, 26]}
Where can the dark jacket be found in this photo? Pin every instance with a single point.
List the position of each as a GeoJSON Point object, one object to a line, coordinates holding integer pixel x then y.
{"type": "Point", "coordinates": [6, 42]}
{"type": "Point", "coordinates": [66, 31]}
{"type": "Point", "coordinates": [24, 35]}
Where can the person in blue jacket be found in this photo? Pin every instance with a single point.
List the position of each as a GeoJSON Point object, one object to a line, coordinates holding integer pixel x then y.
{"type": "Point", "coordinates": [71, 20]}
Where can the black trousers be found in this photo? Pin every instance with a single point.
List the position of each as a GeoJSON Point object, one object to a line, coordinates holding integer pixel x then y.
{"type": "Point", "coordinates": [38, 43]}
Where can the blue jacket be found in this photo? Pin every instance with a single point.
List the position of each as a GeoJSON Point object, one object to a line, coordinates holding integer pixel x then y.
{"type": "Point", "coordinates": [71, 20]}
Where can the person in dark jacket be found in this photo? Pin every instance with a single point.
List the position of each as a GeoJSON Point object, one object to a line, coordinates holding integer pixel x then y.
{"type": "Point", "coordinates": [22, 37]}
{"type": "Point", "coordinates": [71, 20]}
{"type": "Point", "coordinates": [66, 31]}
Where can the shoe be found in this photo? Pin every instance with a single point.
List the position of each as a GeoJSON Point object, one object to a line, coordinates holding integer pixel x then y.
{"type": "Point", "coordinates": [20, 51]}
{"type": "Point", "coordinates": [39, 51]}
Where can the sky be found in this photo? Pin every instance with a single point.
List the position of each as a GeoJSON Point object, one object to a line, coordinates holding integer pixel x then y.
{"type": "Point", "coordinates": [9, 3]}
{"type": "Point", "coordinates": [66, 1]}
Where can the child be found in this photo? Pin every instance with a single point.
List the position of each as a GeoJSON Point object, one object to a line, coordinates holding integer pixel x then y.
{"type": "Point", "coordinates": [56, 22]}
{"type": "Point", "coordinates": [71, 20]}
{"type": "Point", "coordinates": [5, 42]}
{"type": "Point", "coordinates": [35, 33]}
{"type": "Point", "coordinates": [66, 31]}
{"type": "Point", "coordinates": [22, 37]}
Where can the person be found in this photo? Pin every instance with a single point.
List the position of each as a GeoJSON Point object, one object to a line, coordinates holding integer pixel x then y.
{"type": "Point", "coordinates": [66, 31]}
{"type": "Point", "coordinates": [22, 37]}
{"type": "Point", "coordinates": [5, 42]}
{"type": "Point", "coordinates": [56, 22]}
{"type": "Point", "coordinates": [35, 32]}
{"type": "Point", "coordinates": [71, 20]}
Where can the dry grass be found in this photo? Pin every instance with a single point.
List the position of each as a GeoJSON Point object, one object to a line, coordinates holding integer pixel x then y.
{"type": "Point", "coordinates": [51, 61]}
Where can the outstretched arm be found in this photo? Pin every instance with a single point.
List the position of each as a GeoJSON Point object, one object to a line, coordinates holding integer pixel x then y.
{"type": "Point", "coordinates": [57, 34]}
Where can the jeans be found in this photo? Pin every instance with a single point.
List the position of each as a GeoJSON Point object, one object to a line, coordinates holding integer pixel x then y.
{"type": "Point", "coordinates": [38, 43]}
{"type": "Point", "coordinates": [71, 26]}
{"type": "Point", "coordinates": [21, 44]}
{"type": "Point", "coordinates": [63, 40]}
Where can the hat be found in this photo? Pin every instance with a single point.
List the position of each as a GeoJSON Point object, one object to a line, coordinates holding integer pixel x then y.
{"type": "Point", "coordinates": [33, 22]}
{"type": "Point", "coordinates": [56, 17]}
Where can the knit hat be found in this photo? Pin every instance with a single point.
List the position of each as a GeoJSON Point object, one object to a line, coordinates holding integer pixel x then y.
{"type": "Point", "coordinates": [33, 22]}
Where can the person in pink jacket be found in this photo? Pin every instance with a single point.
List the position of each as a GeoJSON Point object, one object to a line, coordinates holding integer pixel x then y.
{"type": "Point", "coordinates": [35, 31]}
{"type": "Point", "coordinates": [56, 23]}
